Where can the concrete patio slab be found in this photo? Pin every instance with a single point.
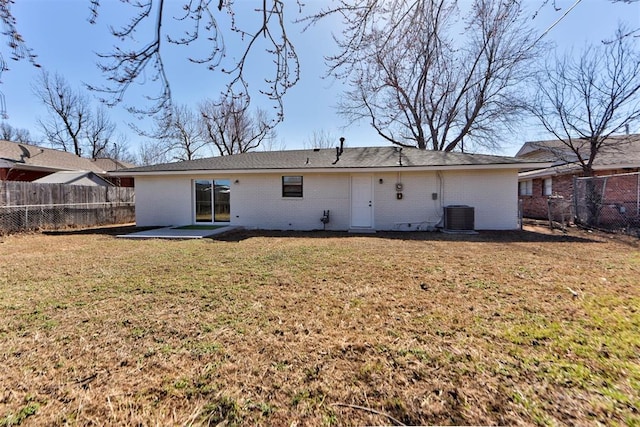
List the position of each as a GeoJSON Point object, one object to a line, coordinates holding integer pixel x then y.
{"type": "Point", "coordinates": [177, 233]}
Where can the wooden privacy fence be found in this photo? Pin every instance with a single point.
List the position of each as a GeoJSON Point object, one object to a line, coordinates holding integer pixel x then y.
{"type": "Point", "coordinates": [31, 206]}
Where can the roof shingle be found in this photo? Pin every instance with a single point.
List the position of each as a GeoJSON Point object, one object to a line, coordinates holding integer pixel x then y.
{"type": "Point", "coordinates": [618, 150]}
{"type": "Point", "coordinates": [32, 156]}
{"type": "Point", "coordinates": [351, 158]}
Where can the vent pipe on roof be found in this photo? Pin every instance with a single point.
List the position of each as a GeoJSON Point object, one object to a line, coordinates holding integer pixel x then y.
{"type": "Point", "coordinates": [339, 150]}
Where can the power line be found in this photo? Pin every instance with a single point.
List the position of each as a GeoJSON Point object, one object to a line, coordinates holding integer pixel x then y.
{"type": "Point", "coordinates": [556, 22]}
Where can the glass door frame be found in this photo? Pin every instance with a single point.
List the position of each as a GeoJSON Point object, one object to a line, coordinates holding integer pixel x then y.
{"type": "Point", "coordinates": [219, 200]}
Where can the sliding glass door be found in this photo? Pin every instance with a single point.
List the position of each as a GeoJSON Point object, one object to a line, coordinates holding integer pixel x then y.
{"type": "Point", "coordinates": [203, 201]}
{"type": "Point", "coordinates": [212, 200]}
{"type": "Point", "coordinates": [221, 200]}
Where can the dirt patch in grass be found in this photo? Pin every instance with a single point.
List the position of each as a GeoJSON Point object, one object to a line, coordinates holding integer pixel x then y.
{"type": "Point", "coordinates": [513, 328]}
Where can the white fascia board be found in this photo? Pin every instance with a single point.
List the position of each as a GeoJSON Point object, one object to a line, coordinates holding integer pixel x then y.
{"type": "Point", "coordinates": [501, 166]}
{"type": "Point", "coordinates": [539, 173]}
{"type": "Point", "coordinates": [618, 166]}
{"type": "Point", "coordinates": [570, 169]}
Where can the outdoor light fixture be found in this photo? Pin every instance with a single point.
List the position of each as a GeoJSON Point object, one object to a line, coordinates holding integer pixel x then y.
{"type": "Point", "coordinates": [381, 181]}
{"type": "Point", "coordinates": [237, 181]}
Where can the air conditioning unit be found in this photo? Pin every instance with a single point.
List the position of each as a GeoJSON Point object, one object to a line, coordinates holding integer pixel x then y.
{"type": "Point", "coordinates": [459, 218]}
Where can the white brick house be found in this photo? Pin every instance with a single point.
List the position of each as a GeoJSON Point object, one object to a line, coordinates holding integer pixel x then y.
{"type": "Point", "coordinates": [375, 188]}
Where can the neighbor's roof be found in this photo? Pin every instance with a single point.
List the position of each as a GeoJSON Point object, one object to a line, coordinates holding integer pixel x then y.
{"type": "Point", "coordinates": [618, 150]}
{"type": "Point", "coordinates": [27, 156]}
{"type": "Point", "coordinates": [623, 151]}
{"type": "Point", "coordinates": [326, 159]}
{"type": "Point", "coordinates": [107, 164]}
{"type": "Point", "coordinates": [74, 178]}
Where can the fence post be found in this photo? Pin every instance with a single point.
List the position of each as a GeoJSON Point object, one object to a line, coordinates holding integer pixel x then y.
{"type": "Point", "coordinates": [576, 212]}
{"type": "Point", "coordinates": [520, 214]}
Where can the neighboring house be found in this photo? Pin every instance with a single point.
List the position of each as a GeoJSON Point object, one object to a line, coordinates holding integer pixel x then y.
{"type": "Point", "coordinates": [110, 165]}
{"type": "Point", "coordinates": [75, 178]}
{"type": "Point", "coordinates": [25, 162]}
{"type": "Point", "coordinates": [358, 189]}
{"type": "Point", "coordinates": [536, 186]}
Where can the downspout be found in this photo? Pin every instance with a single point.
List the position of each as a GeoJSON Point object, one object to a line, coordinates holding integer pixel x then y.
{"type": "Point", "coordinates": [440, 177]}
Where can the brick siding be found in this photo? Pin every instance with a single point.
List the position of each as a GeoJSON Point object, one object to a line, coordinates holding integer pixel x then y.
{"type": "Point", "coordinates": [536, 205]}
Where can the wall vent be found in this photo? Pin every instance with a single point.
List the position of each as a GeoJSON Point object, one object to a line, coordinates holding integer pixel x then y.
{"type": "Point", "coordinates": [459, 218]}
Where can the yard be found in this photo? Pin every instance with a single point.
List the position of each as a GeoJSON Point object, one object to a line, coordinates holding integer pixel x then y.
{"type": "Point", "coordinates": [513, 328]}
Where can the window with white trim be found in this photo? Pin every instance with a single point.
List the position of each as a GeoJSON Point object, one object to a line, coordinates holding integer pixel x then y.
{"type": "Point", "coordinates": [292, 186]}
{"type": "Point", "coordinates": [526, 187]}
{"type": "Point", "coordinates": [547, 188]}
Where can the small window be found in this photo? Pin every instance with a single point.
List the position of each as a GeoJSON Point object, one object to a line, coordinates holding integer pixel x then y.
{"type": "Point", "coordinates": [526, 188]}
{"type": "Point", "coordinates": [547, 189]}
{"type": "Point", "coordinates": [291, 186]}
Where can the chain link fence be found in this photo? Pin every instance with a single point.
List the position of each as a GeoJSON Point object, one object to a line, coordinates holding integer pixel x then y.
{"type": "Point", "coordinates": [28, 206]}
{"type": "Point", "coordinates": [560, 211]}
{"type": "Point", "coordinates": [609, 202]}
{"type": "Point", "coordinates": [15, 219]}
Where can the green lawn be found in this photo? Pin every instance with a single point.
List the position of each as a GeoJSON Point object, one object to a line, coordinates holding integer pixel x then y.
{"type": "Point", "coordinates": [320, 329]}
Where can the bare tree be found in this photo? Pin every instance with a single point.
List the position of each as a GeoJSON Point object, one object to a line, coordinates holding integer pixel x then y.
{"type": "Point", "coordinates": [585, 100]}
{"type": "Point", "coordinates": [131, 61]}
{"type": "Point", "coordinates": [231, 128]}
{"type": "Point", "coordinates": [71, 125]}
{"type": "Point", "coordinates": [180, 133]}
{"type": "Point", "coordinates": [152, 152]}
{"type": "Point", "coordinates": [118, 149]}
{"type": "Point", "coordinates": [99, 134]}
{"type": "Point", "coordinates": [273, 144]}
{"type": "Point", "coordinates": [10, 133]}
{"type": "Point", "coordinates": [426, 74]}
{"type": "Point", "coordinates": [68, 112]}
{"type": "Point", "coordinates": [15, 41]}
{"type": "Point", "coordinates": [321, 139]}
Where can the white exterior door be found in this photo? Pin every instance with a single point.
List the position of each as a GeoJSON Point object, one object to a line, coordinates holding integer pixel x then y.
{"type": "Point", "coordinates": [362, 200]}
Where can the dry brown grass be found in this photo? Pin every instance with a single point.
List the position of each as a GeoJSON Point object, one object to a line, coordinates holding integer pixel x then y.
{"type": "Point", "coordinates": [320, 328]}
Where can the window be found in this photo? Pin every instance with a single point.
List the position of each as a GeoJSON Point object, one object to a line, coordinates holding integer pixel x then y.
{"type": "Point", "coordinates": [547, 189]}
{"type": "Point", "coordinates": [526, 188]}
{"type": "Point", "coordinates": [291, 186]}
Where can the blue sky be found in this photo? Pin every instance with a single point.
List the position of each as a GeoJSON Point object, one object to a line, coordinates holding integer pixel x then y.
{"type": "Point", "coordinates": [65, 42]}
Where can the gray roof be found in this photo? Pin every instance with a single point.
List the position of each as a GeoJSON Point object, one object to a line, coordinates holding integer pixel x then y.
{"type": "Point", "coordinates": [542, 149]}
{"type": "Point", "coordinates": [617, 150]}
{"type": "Point", "coordinates": [108, 164]}
{"type": "Point", "coordinates": [351, 158]}
{"type": "Point", "coordinates": [27, 156]}
{"type": "Point", "coordinates": [621, 151]}
{"type": "Point", "coordinates": [74, 178]}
